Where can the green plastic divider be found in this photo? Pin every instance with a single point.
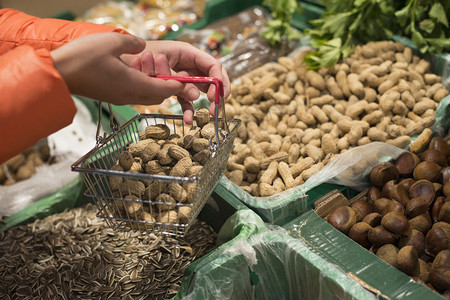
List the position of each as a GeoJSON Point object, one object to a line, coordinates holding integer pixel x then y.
{"type": "Point", "coordinates": [65, 15]}
{"type": "Point", "coordinates": [121, 113]}
{"type": "Point", "coordinates": [317, 3]}
{"type": "Point", "coordinates": [277, 209]}
{"type": "Point", "coordinates": [309, 12]}
{"type": "Point", "coordinates": [337, 249]}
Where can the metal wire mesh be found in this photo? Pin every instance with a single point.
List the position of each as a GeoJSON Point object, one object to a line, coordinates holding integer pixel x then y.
{"type": "Point", "coordinates": [124, 208]}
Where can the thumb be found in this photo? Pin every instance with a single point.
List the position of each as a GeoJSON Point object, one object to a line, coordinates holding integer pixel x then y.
{"type": "Point", "coordinates": [126, 43]}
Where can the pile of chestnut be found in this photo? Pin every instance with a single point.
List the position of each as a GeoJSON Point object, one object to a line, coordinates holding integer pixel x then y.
{"type": "Point", "coordinates": [404, 217]}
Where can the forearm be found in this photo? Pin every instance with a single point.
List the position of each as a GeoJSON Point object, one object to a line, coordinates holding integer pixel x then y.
{"type": "Point", "coordinates": [18, 28]}
{"type": "Point", "coordinates": [35, 101]}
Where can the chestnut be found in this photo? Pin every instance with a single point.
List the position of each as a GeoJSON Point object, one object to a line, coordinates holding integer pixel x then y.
{"type": "Point", "coordinates": [382, 173]}
{"type": "Point", "coordinates": [359, 233]}
{"type": "Point", "coordinates": [400, 194]}
{"type": "Point", "coordinates": [379, 236]}
{"type": "Point", "coordinates": [373, 219]}
{"type": "Point", "coordinates": [423, 188]}
{"type": "Point", "coordinates": [380, 204]}
{"type": "Point", "coordinates": [434, 156]}
{"type": "Point", "coordinates": [416, 239]}
{"type": "Point", "coordinates": [439, 144]}
{"type": "Point", "coordinates": [342, 218]}
{"type": "Point", "coordinates": [446, 189]}
{"type": "Point", "coordinates": [388, 187]}
{"type": "Point", "coordinates": [440, 279]}
{"type": "Point", "coordinates": [444, 214]}
{"type": "Point", "coordinates": [427, 170]}
{"type": "Point", "coordinates": [437, 187]}
{"type": "Point", "coordinates": [406, 163]}
{"type": "Point", "coordinates": [388, 253]}
{"type": "Point", "coordinates": [416, 206]}
{"type": "Point", "coordinates": [445, 174]}
{"type": "Point", "coordinates": [442, 259]}
{"type": "Point", "coordinates": [373, 194]}
{"type": "Point", "coordinates": [396, 223]}
{"type": "Point", "coordinates": [408, 261]}
{"type": "Point", "coordinates": [361, 208]}
{"type": "Point", "coordinates": [446, 295]}
{"type": "Point", "coordinates": [393, 206]}
{"type": "Point", "coordinates": [424, 270]}
{"type": "Point", "coordinates": [437, 238]}
{"type": "Point", "coordinates": [406, 183]}
{"type": "Point", "coordinates": [436, 208]}
{"type": "Point", "coordinates": [421, 222]}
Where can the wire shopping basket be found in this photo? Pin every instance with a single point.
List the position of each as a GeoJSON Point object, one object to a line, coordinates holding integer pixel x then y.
{"type": "Point", "coordinates": [136, 189]}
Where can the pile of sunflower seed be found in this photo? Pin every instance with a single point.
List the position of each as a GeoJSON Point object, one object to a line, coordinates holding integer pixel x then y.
{"type": "Point", "coordinates": [75, 255]}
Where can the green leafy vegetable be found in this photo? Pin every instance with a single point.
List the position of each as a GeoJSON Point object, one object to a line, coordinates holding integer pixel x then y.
{"type": "Point", "coordinates": [280, 27]}
{"type": "Point", "coordinates": [426, 23]}
{"type": "Point", "coordinates": [346, 23]}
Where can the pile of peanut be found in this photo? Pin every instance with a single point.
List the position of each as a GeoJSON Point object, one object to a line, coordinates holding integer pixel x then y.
{"type": "Point", "coordinates": [23, 165]}
{"type": "Point", "coordinates": [295, 120]}
{"type": "Point", "coordinates": [161, 153]}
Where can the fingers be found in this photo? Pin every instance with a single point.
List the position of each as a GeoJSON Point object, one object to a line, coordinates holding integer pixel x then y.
{"type": "Point", "coordinates": [126, 43]}
{"type": "Point", "coordinates": [135, 63]}
{"type": "Point", "coordinates": [188, 110]}
{"type": "Point", "coordinates": [162, 65]}
{"type": "Point", "coordinates": [212, 109]}
{"type": "Point", "coordinates": [148, 64]}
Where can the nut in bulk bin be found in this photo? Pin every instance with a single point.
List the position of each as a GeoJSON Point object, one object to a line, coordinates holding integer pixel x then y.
{"type": "Point", "coordinates": [146, 174]}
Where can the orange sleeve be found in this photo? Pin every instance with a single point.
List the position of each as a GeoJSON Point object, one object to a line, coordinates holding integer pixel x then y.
{"type": "Point", "coordinates": [34, 99]}
{"type": "Point", "coordinates": [18, 28]}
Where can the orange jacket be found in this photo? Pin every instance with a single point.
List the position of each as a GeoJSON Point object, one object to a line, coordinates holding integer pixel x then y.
{"type": "Point", "coordinates": [34, 99]}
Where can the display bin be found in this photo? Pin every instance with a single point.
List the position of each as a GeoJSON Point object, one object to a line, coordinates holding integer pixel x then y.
{"type": "Point", "coordinates": [359, 264]}
{"type": "Point", "coordinates": [283, 207]}
{"type": "Point", "coordinates": [268, 264]}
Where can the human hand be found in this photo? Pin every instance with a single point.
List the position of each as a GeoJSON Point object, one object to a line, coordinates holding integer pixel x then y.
{"type": "Point", "coordinates": [183, 59]}
{"type": "Point", "coordinates": [91, 66]}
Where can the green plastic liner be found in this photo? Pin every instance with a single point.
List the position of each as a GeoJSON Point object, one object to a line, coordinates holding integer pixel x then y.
{"type": "Point", "coordinates": [265, 264]}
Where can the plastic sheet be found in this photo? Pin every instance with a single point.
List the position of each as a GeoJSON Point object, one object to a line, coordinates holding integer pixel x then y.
{"type": "Point", "coordinates": [66, 146]}
{"type": "Point", "coordinates": [258, 263]}
{"type": "Point", "coordinates": [352, 167]}
{"type": "Point", "coordinates": [442, 125]}
{"type": "Point", "coordinates": [69, 196]}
